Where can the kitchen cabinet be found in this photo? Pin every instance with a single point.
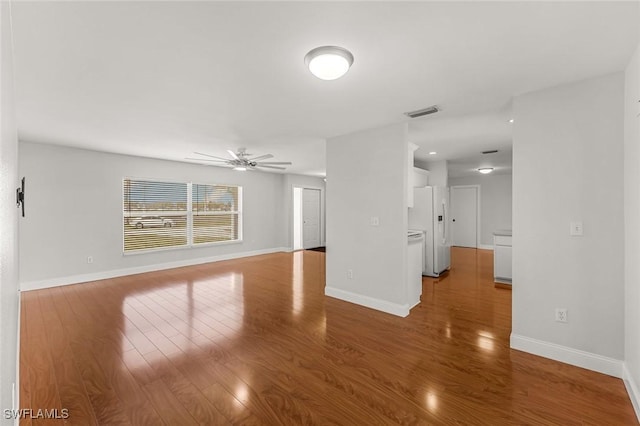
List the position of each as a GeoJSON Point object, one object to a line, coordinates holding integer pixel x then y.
{"type": "Point", "coordinates": [414, 265]}
{"type": "Point", "coordinates": [502, 256]}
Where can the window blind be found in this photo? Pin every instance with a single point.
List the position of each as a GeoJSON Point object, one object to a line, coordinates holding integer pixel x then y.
{"type": "Point", "coordinates": [216, 213]}
{"type": "Point", "coordinates": [173, 214]}
{"type": "Point", "coordinates": [155, 214]}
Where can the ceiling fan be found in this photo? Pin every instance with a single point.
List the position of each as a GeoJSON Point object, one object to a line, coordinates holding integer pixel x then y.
{"type": "Point", "coordinates": [242, 160]}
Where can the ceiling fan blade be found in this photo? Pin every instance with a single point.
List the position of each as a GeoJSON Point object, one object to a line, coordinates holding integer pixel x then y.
{"type": "Point", "coordinates": [212, 156]}
{"type": "Point", "coordinates": [233, 154]}
{"type": "Point", "coordinates": [205, 159]}
{"type": "Point", "coordinates": [261, 157]}
{"type": "Point", "coordinates": [269, 167]}
{"type": "Point", "coordinates": [275, 162]}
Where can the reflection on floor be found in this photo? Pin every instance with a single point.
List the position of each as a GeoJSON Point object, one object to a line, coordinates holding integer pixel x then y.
{"type": "Point", "coordinates": [255, 341]}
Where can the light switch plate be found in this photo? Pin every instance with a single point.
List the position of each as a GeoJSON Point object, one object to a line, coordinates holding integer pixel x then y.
{"type": "Point", "coordinates": [576, 229]}
{"type": "Point", "coordinates": [375, 221]}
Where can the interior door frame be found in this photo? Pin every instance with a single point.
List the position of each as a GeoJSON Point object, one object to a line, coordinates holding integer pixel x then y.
{"type": "Point", "coordinates": [478, 212]}
{"type": "Point", "coordinates": [322, 217]}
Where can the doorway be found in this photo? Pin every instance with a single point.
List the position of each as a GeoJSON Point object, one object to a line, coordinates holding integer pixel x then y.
{"type": "Point", "coordinates": [307, 218]}
{"type": "Point", "coordinates": [464, 215]}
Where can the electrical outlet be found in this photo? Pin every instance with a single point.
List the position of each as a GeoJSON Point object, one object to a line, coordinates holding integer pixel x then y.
{"type": "Point", "coordinates": [350, 274]}
{"type": "Point", "coordinates": [561, 315]}
{"type": "Point", "coordinates": [575, 229]}
{"type": "Point", "coordinates": [89, 259]}
{"type": "Point", "coordinates": [375, 221]}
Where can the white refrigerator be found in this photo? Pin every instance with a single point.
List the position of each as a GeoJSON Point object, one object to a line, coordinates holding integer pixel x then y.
{"type": "Point", "coordinates": [430, 214]}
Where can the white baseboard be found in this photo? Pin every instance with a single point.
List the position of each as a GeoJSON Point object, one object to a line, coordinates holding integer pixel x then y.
{"type": "Point", "coordinates": [369, 302]}
{"type": "Point", "coordinates": [83, 278]}
{"type": "Point", "coordinates": [16, 386]}
{"type": "Point", "coordinates": [588, 360]}
{"type": "Point", "coordinates": [632, 389]}
{"type": "Point", "coordinates": [485, 247]}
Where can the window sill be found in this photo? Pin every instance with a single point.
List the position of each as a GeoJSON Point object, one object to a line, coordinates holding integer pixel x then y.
{"type": "Point", "coordinates": [185, 247]}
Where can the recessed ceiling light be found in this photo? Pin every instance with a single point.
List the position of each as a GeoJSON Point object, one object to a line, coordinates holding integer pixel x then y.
{"type": "Point", "coordinates": [432, 153]}
{"type": "Point", "coordinates": [511, 121]}
{"type": "Point", "coordinates": [329, 62]}
{"type": "Point", "coordinates": [485, 170]}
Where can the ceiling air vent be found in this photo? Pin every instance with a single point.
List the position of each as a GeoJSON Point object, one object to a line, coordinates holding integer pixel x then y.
{"type": "Point", "coordinates": [493, 151]}
{"type": "Point", "coordinates": [421, 112]}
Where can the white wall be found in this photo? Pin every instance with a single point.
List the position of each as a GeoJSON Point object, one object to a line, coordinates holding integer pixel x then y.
{"type": "Point", "coordinates": [8, 219]}
{"type": "Point", "coordinates": [75, 210]}
{"type": "Point", "coordinates": [438, 171]}
{"type": "Point", "coordinates": [495, 203]}
{"type": "Point", "coordinates": [632, 227]}
{"type": "Point", "coordinates": [290, 181]}
{"type": "Point", "coordinates": [374, 187]}
{"type": "Point", "coordinates": [568, 166]}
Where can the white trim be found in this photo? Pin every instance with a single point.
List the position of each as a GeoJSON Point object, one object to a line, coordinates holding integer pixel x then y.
{"type": "Point", "coordinates": [632, 389]}
{"type": "Point", "coordinates": [322, 208]}
{"type": "Point", "coordinates": [82, 278]}
{"type": "Point", "coordinates": [185, 247]}
{"type": "Point", "coordinates": [369, 302]}
{"type": "Point", "coordinates": [188, 213]}
{"type": "Point", "coordinates": [590, 361]}
{"type": "Point", "coordinates": [485, 246]}
{"type": "Point", "coordinates": [16, 385]}
{"type": "Point", "coordinates": [289, 206]}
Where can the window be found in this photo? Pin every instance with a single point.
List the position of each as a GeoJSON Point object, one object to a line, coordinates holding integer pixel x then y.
{"type": "Point", "coordinates": [216, 213]}
{"type": "Point", "coordinates": [155, 214]}
{"type": "Point", "coordinates": [173, 214]}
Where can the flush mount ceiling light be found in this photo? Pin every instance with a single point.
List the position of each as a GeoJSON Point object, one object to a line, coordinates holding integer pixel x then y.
{"type": "Point", "coordinates": [485, 170]}
{"type": "Point", "coordinates": [329, 62]}
{"type": "Point", "coordinates": [432, 153]}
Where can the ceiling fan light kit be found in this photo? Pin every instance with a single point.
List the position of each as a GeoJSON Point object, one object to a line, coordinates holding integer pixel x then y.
{"type": "Point", "coordinates": [329, 62]}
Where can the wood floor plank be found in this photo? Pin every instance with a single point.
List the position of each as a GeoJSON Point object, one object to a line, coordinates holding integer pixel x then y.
{"type": "Point", "coordinates": [255, 341]}
{"type": "Point", "coordinates": [73, 394]}
{"type": "Point", "coordinates": [170, 408]}
{"type": "Point", "coordinates": [25, 384]}
{"type": "Point", "coordinates": [230, 407]}
{"type": "Point", "coordinates": [44, 388]}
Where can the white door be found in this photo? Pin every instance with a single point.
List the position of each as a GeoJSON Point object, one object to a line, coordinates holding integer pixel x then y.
{"type": "Point", "coordinates": [310, 218]}
{"type": "Point", "coordinates": [464, 216]}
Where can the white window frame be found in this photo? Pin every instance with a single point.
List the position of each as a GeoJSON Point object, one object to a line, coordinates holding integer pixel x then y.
{"type": "Point", "coordinates": [239, 212]}
{"type": "Point", "coordinates": [189, 213]}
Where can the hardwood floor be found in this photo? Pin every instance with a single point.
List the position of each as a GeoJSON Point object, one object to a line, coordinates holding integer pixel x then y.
{"type": "Point", "coordinates": [255, 341]}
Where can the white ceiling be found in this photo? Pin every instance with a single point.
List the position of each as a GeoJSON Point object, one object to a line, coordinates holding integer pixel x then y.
{"type": "Point", "coordinates": [164, 79]}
